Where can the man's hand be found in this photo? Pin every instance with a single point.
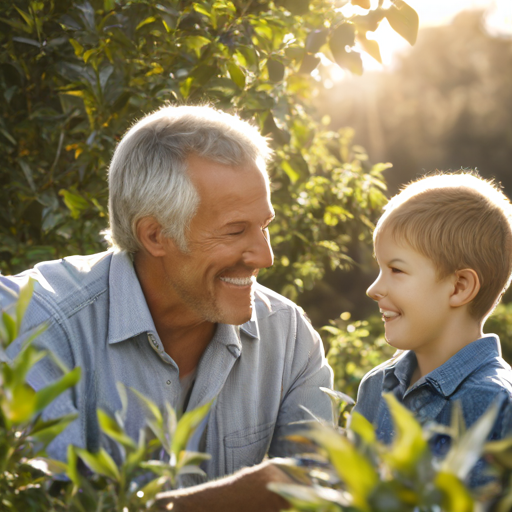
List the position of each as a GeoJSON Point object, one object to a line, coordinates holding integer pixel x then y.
{"type": "Point", "coordinates": [244, 491]}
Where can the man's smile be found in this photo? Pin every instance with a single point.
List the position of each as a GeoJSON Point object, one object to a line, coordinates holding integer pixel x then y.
{"type": "Point", "coordinates": [239, 281]}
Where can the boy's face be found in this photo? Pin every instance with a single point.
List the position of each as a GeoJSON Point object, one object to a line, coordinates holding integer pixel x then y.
{"type": "Point", "coordinates": [414, 303]}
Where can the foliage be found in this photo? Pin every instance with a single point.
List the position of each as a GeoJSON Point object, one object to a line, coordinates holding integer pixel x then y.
{"type": "Point", "coordinates": [73, 76]}
{"type": "Point", "coordinates": [500, 323]}
{"type": "Point", "coordinates": [353, 471]}
{"type": "Point", "coordinates": [30, 481]}
{"type": "Point", "coordinates": [355, 347]}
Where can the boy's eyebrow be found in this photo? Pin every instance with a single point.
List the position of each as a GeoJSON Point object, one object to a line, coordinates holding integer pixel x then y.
{"type": "Point", "coordinates": [396, 260]}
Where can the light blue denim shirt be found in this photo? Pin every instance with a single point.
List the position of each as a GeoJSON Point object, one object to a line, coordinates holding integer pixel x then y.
{"type": "Point", "coordinates": [258, 374]}
{"type": "Point", "coordinates": [476, 376]}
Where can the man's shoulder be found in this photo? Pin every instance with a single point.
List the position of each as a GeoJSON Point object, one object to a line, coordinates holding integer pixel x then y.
{"type": "Point", "coordinates": [269, 301]}
{"type": "Point", "coordinates": [68, 281]}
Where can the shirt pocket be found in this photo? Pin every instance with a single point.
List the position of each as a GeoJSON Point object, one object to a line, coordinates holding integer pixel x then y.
{"type": "Point", "coordinates": [247, 447]}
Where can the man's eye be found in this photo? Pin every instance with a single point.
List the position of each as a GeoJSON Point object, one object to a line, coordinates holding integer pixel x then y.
{"type": "Point", "coordinates": [234, 233]}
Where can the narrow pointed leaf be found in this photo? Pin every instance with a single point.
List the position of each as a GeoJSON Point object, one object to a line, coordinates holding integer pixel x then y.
{"type": "Point", "coordinates": [409, 444]}
{"type": "Point", "coordinates": [186, 426]}
{"type": "Point", "coordinates": [114, 431]}
{"type": "Point", "coordinates": [455, 495]}
{"type": "Point", "coordinates": [48, 394]}
{"type": "Point", "coordinates": [23, 301]}
{"type": "Point", "coordinates": [464, 454]}
{"type": "Point", "coordinates": [100, 462]}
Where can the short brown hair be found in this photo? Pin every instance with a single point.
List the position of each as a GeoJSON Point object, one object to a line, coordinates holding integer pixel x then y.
{"type": "Point", "coordinates": [458, 221]}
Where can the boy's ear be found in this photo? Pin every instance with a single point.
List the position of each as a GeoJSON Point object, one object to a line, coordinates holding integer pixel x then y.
{"type": "Point", "coordinates": [465, 287]}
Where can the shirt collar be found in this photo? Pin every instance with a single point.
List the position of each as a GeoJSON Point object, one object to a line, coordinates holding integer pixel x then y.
{"type": "Point", "coordinates": [448, 377]}
{"type": "Point", "coordinates": [129, 314]}
{"type": "Point", "coordinates": [128, 311]}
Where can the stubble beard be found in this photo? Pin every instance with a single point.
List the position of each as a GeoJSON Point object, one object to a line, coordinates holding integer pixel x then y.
{"type": "Point", "coordinates": [204, 303]}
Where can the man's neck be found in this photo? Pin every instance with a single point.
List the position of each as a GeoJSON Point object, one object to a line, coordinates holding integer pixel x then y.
{"type": "Point", "coordinates": [184, 335]}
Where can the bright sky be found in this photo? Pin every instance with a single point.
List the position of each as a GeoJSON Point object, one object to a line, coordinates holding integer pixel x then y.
{"type": "Point", "coordinates": [431, 13]}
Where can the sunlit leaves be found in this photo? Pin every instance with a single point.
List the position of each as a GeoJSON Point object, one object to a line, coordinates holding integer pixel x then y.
{"type": "Point", "coordinates": [404, 20]}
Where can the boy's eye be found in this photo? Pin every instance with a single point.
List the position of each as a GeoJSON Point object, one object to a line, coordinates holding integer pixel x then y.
{"type": "Point", "coordinates": [396, 270]}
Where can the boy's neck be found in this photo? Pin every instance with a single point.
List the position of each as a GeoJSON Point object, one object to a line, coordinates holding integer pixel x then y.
{"type": "Point", "coordinates": [452, 340]}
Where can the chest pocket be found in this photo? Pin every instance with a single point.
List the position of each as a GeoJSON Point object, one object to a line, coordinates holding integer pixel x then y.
{"type": "Point", "coordinates": [247, 447]}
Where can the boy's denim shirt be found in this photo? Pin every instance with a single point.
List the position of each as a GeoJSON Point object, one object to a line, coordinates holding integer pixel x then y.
{"type": "Point", "coordinates": [476, 376]}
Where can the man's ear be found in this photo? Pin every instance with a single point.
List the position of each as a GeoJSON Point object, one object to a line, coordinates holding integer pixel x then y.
{"type": "Point", "coordinates": [465, 287]}
{"type": "Point", "coordinates": [149, 233]}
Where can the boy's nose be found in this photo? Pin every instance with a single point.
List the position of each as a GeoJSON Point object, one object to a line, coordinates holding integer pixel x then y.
{"type": "Point", "coordinates": [376, 291]}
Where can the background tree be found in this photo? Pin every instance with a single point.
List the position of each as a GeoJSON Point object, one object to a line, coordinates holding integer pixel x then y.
{"type": "Point", "coordinates": [74, 76]}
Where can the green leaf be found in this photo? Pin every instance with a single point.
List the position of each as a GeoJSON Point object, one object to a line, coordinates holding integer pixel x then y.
{"type": "Point", "coordinates": [236, 74]}
{"type": "Point", "coordinates": [113, 430]}
{"type": "Point", "coordinates": [72, 469]}
{"type": "Point", "coordinates": [409, 445]}
{"type": "Point", "coordinates": [100, 462]}
{"type": "Point", "coordinates": [46, 431]}
{"type": "Point", "coordinates": [200, 9]}
{"type": "Point", "coordinates": [79, 49]}
{"type": "Point", "coordinates": [275, 70]}
{"type": "Point", "coordinates": [363, 428]}
{"type": "Point", "coordinates": [292, 174]}
{"type": "Point", "coordinates": [75, 202]}
{"type": "Point", "coordinates": [342, 36]}
{"type": "Point", "coordinates": [109, 5]}
{"type": "Point", "coordinates": [186, 426]}
{"type": "Point", "coordinates": [188, 458]}
{"type": "Point", "coordinates": [315, 40]}
{"type": "Point", "coordinates": [455, 495]}
{"type": "Point", "coordinates": [196, 43]}
{"type": "Point", "coordinates": [10, 327]}
{"type": "Point", "coordinates": [350, 61]}
{"type": "Point", "coordinates": [353, 468]}
{"type": "Point", "coordinates": [48, 394]}
{"type": "Point", "coordinates": [24, 298]}
{"type": "Point", "coordinates": [303, 497]}
{"type": "Point", "coordinates": [147, 21]}
{"type": "Point", "coordinates": [28, 19]}
{"type": "Point", "coordinates": [404, 20]}
{"type": "Point", "coordinates": [465, 452]}
{"type": "Point", "coordinates": [23, 404]}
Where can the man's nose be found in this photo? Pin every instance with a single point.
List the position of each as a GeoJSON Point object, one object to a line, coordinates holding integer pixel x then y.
{"type": "Point", "coordinates": [376, 290]}
{"type": "Point", "coordinates": [259, 253]}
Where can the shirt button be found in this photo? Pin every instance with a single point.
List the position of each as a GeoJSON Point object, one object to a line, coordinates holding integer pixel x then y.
{"type": "Point", "coordinates": [168, 382]}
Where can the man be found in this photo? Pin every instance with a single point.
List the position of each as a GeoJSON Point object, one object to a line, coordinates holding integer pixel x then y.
{"type": "Point", "coordinates": [174, 311]}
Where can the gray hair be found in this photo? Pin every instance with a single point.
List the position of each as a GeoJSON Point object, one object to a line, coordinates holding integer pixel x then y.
{"type": "Point", "coordinates": [148, 173]}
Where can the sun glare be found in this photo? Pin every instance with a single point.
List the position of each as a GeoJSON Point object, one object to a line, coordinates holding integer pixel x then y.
{"type": "Point", "coordinates": [431, 13]}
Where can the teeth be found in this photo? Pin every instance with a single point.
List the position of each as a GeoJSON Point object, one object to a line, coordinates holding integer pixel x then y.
{"type": "Point", "coordinates": [389, 314]}
{"type": "Point", "coordinates": [239, 281]}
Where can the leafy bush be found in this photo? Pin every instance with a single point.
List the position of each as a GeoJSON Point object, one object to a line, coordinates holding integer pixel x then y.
{"type": "Point", "coordinates": [30, 481]}
{"type": "Point", "coordinates": [355, 472]}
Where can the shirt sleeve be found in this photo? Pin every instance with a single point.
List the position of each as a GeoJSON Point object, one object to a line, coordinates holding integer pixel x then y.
{"type": "Point", "coordinates": [303, 400]}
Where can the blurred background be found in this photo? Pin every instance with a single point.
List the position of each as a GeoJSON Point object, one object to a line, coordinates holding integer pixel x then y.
{"type": "Point", "coordinates": [443, 104]}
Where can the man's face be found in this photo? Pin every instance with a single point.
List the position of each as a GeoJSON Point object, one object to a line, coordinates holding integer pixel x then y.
{"type": "Point", "coordinates": [414, 303]}
{"type": "Point", "coordinates": [228, 243]}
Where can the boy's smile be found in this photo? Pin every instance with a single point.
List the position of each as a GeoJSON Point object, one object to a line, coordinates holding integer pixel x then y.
{"type": "Point", "coordinates": [413, 302]}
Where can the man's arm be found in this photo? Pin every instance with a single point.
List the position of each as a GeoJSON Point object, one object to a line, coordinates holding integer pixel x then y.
{"type": "Point", "coordinates": [245, 490]}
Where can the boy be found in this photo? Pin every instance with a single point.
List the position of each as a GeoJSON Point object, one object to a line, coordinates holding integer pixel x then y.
{"type": "Point", "coordinates": [444, 248]}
